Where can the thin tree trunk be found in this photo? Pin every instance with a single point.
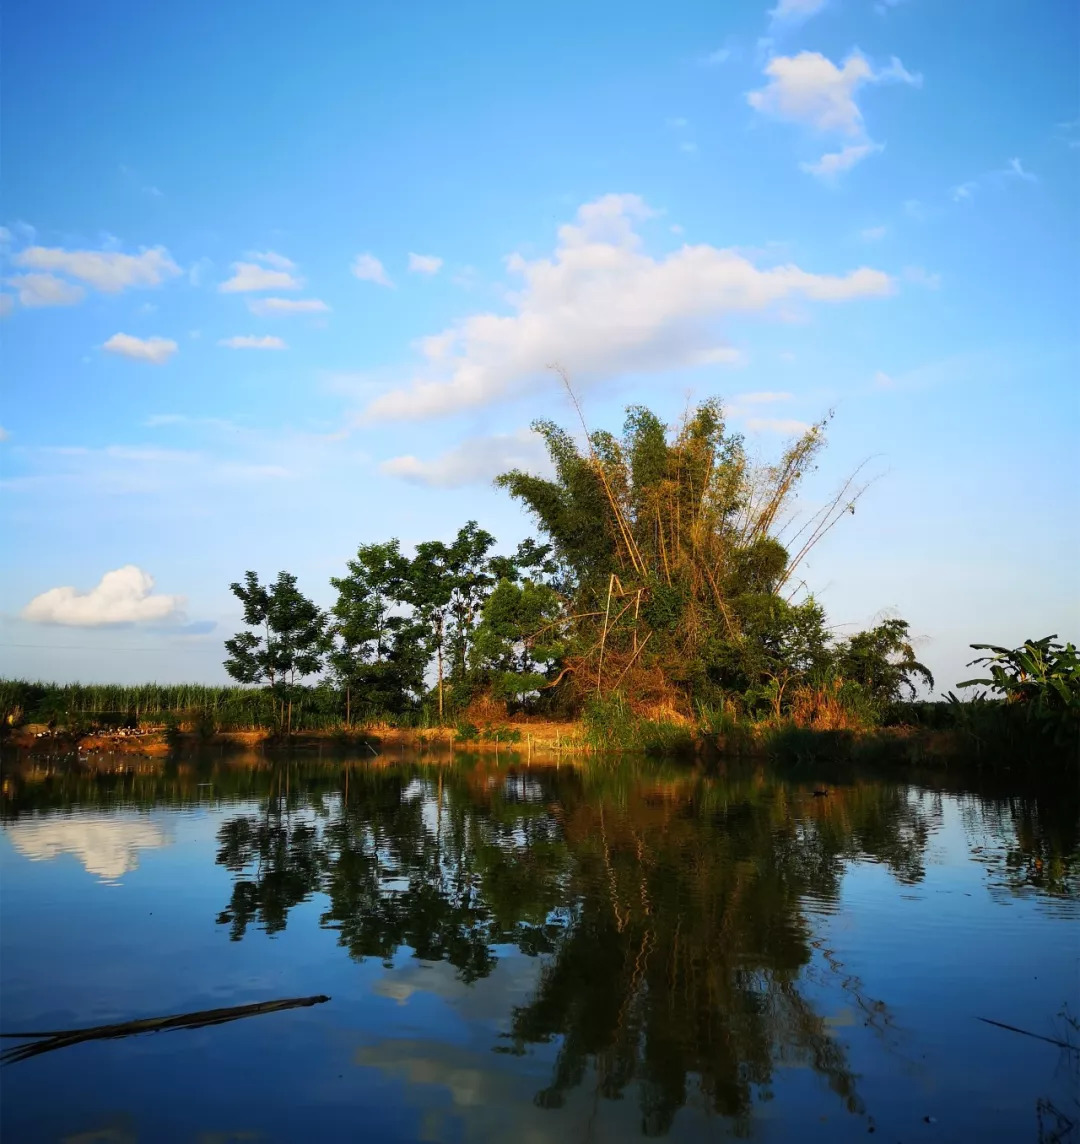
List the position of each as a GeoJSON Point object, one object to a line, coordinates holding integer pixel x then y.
{"type": "Point", "coordinates": [348, 706]}
{"type": "Point", "coordinates": [438, 651]}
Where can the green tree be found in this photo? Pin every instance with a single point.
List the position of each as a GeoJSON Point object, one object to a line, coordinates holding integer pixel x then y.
{"type": "Point", "coordinates": [518, 639]}
{"type": "Point", "coordinates": [881, 660]}
{"type": "Point", "coordinates": [469, 569]}
{"type": "Point", "coordinates": [366, 655]}
{"type": "Point", "coordinates": [290, 642]}
{"type": "Point", "coordinates": [429, 589]}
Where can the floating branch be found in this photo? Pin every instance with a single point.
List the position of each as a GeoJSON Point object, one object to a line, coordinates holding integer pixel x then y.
{"type": "Point", "coordinates": [61, 1039]}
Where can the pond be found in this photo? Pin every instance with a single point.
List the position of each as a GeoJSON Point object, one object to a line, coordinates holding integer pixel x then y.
{"type": "Point", "coordinates": [573, 950]}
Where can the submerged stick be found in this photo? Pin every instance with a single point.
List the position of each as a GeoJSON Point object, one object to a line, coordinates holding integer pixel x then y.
{"type": "Point", "coordinates": [1037, 1036]}
{"type": "Point", "coordinates": [62, 1038]}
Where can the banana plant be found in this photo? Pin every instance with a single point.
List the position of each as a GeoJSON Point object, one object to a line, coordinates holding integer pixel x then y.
{"type": "Point", "coordinates": [1041, 676]}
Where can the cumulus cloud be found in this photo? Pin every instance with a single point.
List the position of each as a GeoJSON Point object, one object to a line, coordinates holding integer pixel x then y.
{"type": "Point", "coordinates": [423, 263]}
{"type": "Point", "coordinates": [123, 596]}
{"type": "Point", "coordinates": [795, 11]}
{"type": "Point", "coordinates": [45, 290]}
{"type": "Point", "coordinates": [253, 342]}
{"type": "Point", "coordinates": [106, 270]}
{"type": "Point", "coordinates": [368, 268]}
{"type": "Point", "coordinates": [249, 277]}
{"type": "Point", "coordinates": [601, 306]}
{"type": "Point", "coordinates": [832, 164]}
{"type": "Point", "coordinates": [283, 307]}
{"type": "Point", "coordinates": [154, 350]}
{"type": "Point", "coordinates": [475, 461]}
{"type": "Point", "coordinates": [808, 88]}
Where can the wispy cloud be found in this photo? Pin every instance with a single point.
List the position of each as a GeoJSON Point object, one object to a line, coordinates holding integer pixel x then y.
{"type": "Point", "coordinates": [253, 342]}
{"type": "Point", "coordinates": [789, 12]}
{"type": "Point", "coordinates": [424, 263]}
{"type": "Point", "coordinates": [1016, 168]}
{"type": "Point", "coordinates": [284, 307]}
{"type": "Point", "coordinates": [368, 268]}
{"type": "Point", "coordinates": [873, 233]}
{"type": "Point", "coordinates": [919, 276]}
{"type": "Point", "coordinates": [475, 461]}
{"type": "Point", "coordinates": [836, 162]}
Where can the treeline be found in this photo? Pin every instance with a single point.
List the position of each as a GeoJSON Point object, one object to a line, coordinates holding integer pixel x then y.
{"type": "Point", "coordinates": [663, 587]}
{"type": "Point", "coordinates": [663, 583]}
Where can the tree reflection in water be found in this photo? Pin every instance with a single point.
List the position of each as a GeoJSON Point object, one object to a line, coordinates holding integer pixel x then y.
{"type": "Point", "coordinates": [669, 908]}
{"type": "Point", "coordinates": [673, 911]}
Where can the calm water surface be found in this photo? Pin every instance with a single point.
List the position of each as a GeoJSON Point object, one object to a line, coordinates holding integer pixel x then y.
{"type": "Point", "coordinates": [540, 953]}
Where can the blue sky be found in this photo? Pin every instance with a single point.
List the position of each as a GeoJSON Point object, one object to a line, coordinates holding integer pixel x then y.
{"type": "Point", "coordinates": [279, 282]}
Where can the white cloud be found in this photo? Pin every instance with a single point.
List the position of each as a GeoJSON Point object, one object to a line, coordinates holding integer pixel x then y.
{"type": "Point", "coordinates": [368, 268]}
{"type": "Point", "coordinates": [688, 147]}
{"type": "Point", "coordinates": [271, 307]}
{"type": "Point", "coordinates": [5, 434]}
{"type": "Point", "coordinates": [720, 56]}
{"type": "Point", "coordinates": [919, 276]}
{"type": "Point", "coordinates": [809, 88]}
{"type": "Point", "coordinates": [600, 307]}
{"type": "Point", "coordinates": [1017, 168]}
{"type": "Point", "coordinates": [7, 304]}
{"type": "Point", "coordinates": [6, 236]}
{"type": "Point", "coordinates": [106, 270]}
{"type": "Point", "coordinates": [795, 11]}
{"type": "Point", "coordinates": [106, 845]}
{"type": "Point", "coordinates": [831, 165]}
{"type": "Point", "coordinates": [45, 290]}
{"type": "Point", "coordinates": [253, 342]}
{"type": "Point", "coordinates": [883, 381]}
{"type": "Point", "coordinates": [789, 426]}
{"type": "Point", "coordinates": [123, 596]}
{"type": "Point", "coordinates": [423, 264]}
{"type": "Point", "coordinates": [249, 277]}
{"type": "Point", "coordinates": [873, 233]}
{"type": "Point", "coordinates": [271, 258]}
{"type": "Point", "coordinates": [475, 461]}
{"type": "Point", "coordinates": [155, 350]}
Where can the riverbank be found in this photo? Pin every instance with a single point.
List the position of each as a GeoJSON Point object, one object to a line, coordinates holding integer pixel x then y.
{"type": "Point", "coordinates": [787, 743]}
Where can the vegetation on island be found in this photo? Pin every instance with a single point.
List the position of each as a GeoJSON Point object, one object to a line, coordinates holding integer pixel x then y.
{"type": "Point", "coordinates": [661, 598]}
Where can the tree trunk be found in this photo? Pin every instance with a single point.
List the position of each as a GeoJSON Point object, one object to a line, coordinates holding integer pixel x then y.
{"type": "Point", "coordinates": [348, 706]}
{"type": "Point", "coordinates": [439, 655]}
